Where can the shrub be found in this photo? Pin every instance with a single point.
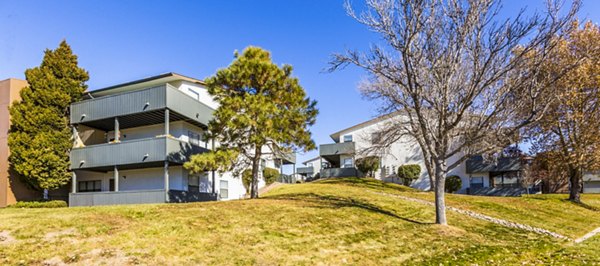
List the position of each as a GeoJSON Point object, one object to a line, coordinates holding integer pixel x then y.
{"type": "Point", "coordinates": [247, 179]}
{"type": "Point", "coordinates": [40, 204]}
{"type": "Point", "coordinates": [270, 175]}
{"type": "Point", "coordinates": [453, 183]}
{"type": "Point", "coordinates": [368, 165]}
{"type": "Point", "coordinates": [409, 172]}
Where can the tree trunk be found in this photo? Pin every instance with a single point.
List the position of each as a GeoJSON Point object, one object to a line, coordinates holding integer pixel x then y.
{"type": "Point", "coordinates": [574, 178]}
{"type": "Point", "coordinates": [255, 166]}
{"type": "Point", "coordinates": [440, 203]}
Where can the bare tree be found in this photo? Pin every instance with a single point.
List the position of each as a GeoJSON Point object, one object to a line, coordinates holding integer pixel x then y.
{"type": "Point", "coordinates": [451, 68]}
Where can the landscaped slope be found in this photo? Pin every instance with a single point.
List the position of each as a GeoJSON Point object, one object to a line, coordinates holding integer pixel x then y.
{"type": "Point", "coordinates": [330, 222]}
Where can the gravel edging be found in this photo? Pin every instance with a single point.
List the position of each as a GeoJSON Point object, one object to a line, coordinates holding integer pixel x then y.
{"type": "Point", "coordinates": [480, 216]}
{"type": "Point", "coordinates": [588, 235]}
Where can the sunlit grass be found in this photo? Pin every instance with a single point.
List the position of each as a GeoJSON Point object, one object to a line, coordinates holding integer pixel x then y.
{"type": "Point", "coordinates": [335, 221]}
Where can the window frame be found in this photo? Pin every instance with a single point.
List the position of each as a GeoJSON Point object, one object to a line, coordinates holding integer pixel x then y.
{"type": "Point", "coordinates": [86, 185]}
{"type": "Point", "coordinates": [348, 138]}
{"type": "Point", "coordinates": [224, 189]}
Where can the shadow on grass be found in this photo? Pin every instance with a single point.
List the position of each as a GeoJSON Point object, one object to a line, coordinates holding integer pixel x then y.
{"type": "Point", "coordinates": [583, 205]}
{"type": "Point", "coordinates": [364, 182]}
{"type": "Point", "coordinates": [328, 201]}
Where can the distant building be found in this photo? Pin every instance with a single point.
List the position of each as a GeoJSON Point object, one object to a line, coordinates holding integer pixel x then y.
{"type": "Point", "coordinates": [11, 188]}
{"type": "Point", "coordinates": [478, 176]}
{"type": "Point", "coordinates": [591, 182]}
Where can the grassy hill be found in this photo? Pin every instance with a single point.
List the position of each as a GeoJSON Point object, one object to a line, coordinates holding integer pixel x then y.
{"type": "Point", "coordinates": [334, 221]}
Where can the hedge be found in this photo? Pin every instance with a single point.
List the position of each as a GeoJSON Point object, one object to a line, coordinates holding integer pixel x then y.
{"type": "Point", "coordinates": [40, 204]}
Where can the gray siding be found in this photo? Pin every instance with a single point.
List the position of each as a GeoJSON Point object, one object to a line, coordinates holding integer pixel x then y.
{"type": "Point", "coordinates": [136, 197]}
{"type": "Point", "coordinates": [337, 148]}
{"type": "Point", "coordinates": [591, 187]}
{"type": "Point", "coordinates": [476, 164]}
{"type": "Point", "coordinates": [340, 172]}
{"type": "Point", "coordinates": [119, 104]}
{"type": "Point", "coordinates": [146, 100]}
{"type": "Point", "coordinates": [112, 198]}
{"type": "Point", "coordinates": [305, 170]}
{"type": "Point", "coordinates": [133, 152]}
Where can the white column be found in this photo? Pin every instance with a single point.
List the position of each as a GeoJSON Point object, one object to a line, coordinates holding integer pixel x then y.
{"type": "Point", "coordinates": [166, 175]}
{"type": "Point", "coordinates": [116, 177]}
{"type": "Point", "coordinates": [117, 130]}
{"type": "Point", "coordinates": [166, 122]}
{"type": "Point", "coordinates": [74, 182]}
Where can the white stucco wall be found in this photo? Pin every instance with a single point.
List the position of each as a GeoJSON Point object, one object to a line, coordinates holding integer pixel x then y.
{"type": "Point", "coordinates": [402, 152]}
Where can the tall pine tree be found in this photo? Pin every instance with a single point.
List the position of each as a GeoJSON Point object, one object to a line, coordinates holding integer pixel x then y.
{"type": "Point", "coordinates": [40, 135]}
{"type": "Point", "coordinates": [261, 106]}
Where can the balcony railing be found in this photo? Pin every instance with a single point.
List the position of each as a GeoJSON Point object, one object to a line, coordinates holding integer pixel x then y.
{"type": "Point", "coordinates": [136, 197]}
{"type": "Point", "coordinates": [337, 148]}
{"type": "Point", "coordinates": [305, 170]}
{"type": "Point", "coordinates": [140, 101]}
{"type": "Point", "coordinates": [133, 152]}
{"type": "Point", "coordinates": [340, 172]}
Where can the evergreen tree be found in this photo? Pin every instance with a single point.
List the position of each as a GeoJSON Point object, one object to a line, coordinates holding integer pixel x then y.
{"type": "Point", "coordinates": [261, 105]}
{"type": "Point", "coordinates": [40, 135]}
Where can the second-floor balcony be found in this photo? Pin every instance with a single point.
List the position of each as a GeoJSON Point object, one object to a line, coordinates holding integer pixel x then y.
{"type": "Point", "coordinates": [337, 149]}
{"type": "Point", "coordinates": [308, 170]}
{"type": "Point", "coordinates": [134, 153]}
{"type": "Point", "coordinates": [140, 107]}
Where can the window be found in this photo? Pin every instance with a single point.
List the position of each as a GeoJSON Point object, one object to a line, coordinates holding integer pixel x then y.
{"type": "Point", "coordinates": [193, 183]}
{"type": "Point", "coordinates": [476, 182]}
{"type": "Point", "coordinates": [505, 179]}
{"type": "Point", "coordinates": [194, 138]}
{"type": "Point", "coordinates": [263, 163]}
{"type": "Point", "coordinates": [347, 163]}
{"type": "Point", "coordinates": [90, 186]}
{"type": "Point", "coordinates": [347, 138]}
{"type": "Point", "coordinates": [194, 93]}
{"type": "Point", "coordinates": [224, 189]}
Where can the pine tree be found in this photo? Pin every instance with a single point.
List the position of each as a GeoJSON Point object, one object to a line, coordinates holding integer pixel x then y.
{"type": "Point", "coordinates": [261, 105]}
{"type": "Point", "coordinates": [40, 135]}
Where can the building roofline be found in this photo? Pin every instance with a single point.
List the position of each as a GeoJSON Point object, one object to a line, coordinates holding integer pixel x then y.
{"type": "Point", "coordinates": [369, 122]}
{"type": "Point", "coordinates": [311, 160]}
{"type": "Point", "coordinates": [164, 75]}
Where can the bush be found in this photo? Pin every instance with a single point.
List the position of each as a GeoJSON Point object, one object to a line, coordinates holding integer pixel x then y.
{"type": "Point", "coordinates": [409, 172]}
{"type": "Point", "coordinates": [453, 183]}
{"type": "Point", "coordinates": [247, 179]}
{"type": "Point", "coordinates": [368, 165]}
{"type": "Point", "coordinates": [40, 204]}
{"type": "Point", "coordinates": [270, 175]}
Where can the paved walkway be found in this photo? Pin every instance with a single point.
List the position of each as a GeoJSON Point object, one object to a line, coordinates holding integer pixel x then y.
{"type": "Point", "coordinates": [485, 217]}
{"type": "Point", "coordinates": [588, 235]}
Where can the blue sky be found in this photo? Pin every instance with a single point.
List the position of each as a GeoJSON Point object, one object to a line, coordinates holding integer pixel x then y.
{"type": "Point", "coordinates": [120, 41]}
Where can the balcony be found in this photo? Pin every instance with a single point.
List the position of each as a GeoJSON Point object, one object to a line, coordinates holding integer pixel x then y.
{"type": "Point", "coordinates": [141, 107]}
{"type": "Point", "coordinates": [337, 148]}
{"type": "Point", "coordinates": [477, 164]}
{"type": "Point", "coordinates": [309, 170]}
{"type": "Point", "coordinates": [132, 154]}
{"type": "Point", "coordinates": [288, 158]}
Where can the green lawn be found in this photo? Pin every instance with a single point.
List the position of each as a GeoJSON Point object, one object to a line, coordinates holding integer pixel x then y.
{"type": "Point", "coordinates": [336, 222]}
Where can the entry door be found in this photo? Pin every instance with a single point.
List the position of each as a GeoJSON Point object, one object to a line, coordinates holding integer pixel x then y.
{"type": "Point", "coordinates": [111, 185]}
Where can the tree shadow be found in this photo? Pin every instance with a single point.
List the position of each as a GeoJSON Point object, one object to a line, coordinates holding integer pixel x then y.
{"type": "Point", "coordinates": [334, 202]}
{"type": "Point", "coordinates": [364, 182]}
{"type": "Point", "coordinates": [583, 205]}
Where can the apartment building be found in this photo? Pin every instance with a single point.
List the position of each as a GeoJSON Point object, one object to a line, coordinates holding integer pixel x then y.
{"type": "Point", "coordinates": [132, 139]}
{"type": "Point", "coordinates": [338, 160]}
